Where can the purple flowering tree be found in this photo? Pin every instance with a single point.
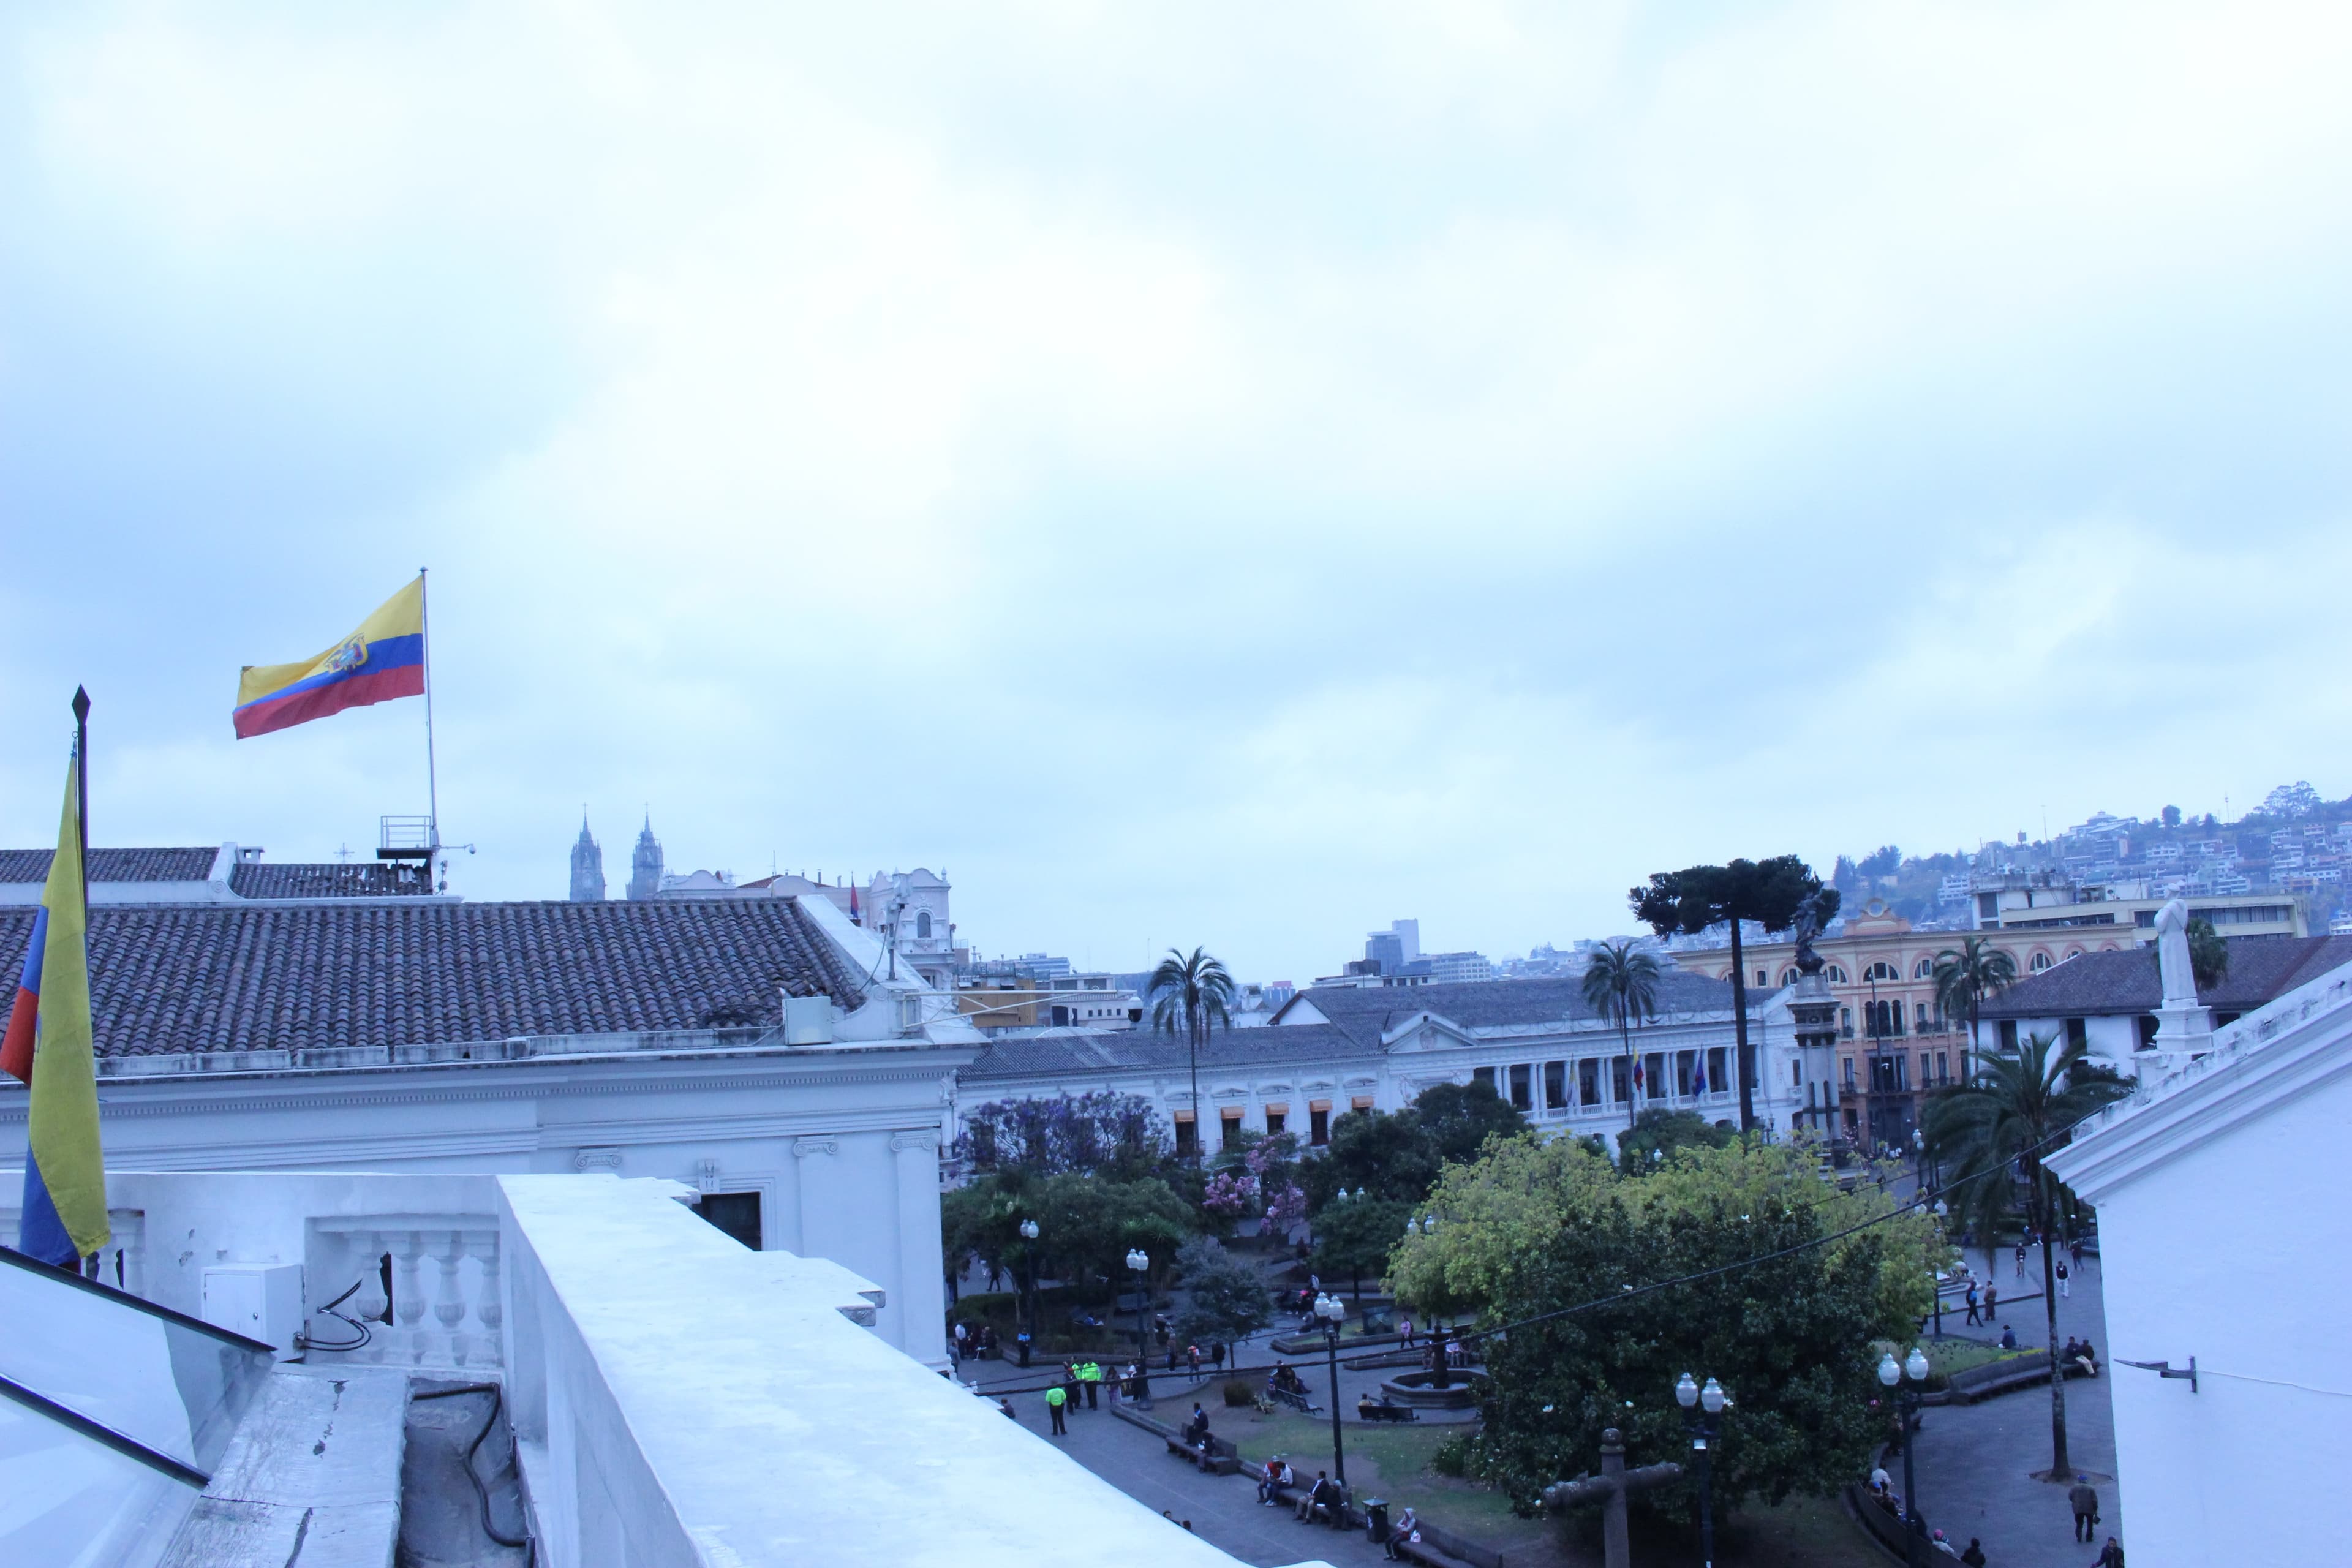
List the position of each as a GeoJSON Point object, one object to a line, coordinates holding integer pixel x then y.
{"type": "Point", "coordinates": [1101, 1133]}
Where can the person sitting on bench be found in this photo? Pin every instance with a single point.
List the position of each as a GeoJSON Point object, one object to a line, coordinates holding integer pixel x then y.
{"type": "Point", "coordinates": [1407, 1528]}
{"type": "Point", "coordinates": [1316, 1499]}
{"type": "Point", "coordinates": [1278, 1475]}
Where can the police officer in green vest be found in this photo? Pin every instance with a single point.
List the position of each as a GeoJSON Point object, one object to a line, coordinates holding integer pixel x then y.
{"type": "Point", "coordinates": [1091, 1376]}
{"type": "Point", "coordinates": [1054, 1399]}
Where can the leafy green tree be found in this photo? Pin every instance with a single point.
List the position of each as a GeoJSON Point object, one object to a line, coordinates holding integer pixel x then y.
{"type": "Point", "coordinates": [1622, 984]}
{"type": "Point", "coordinates": [1460, 1117]}
{"type": "Point", "coordinates": [2170, 816]}
{"type": "Point", "coordinates": [1226, 1299]}
{"type": "Point", "coordinates": [1389, 1156]}
{"type": "Point", "coordinates": [1883, 861]}
{"type": "Point", "coordinates": [1700, 898]}
{"type": "Point", "coordinates": [982, 1219]}
{"type": "Point", "coordinates": [1189, 996]}
{"type": "Point", "coordinates": [2208, 954]}
{"type": "Point", "coordinates": [2011, 1115]}
{"type": "Point", "coordinates": [1354, 1237]}
{"type": "Point", "coordinates": [1789, 1327]}
{"type": "Point", "coordinates": [1087, 1223]}
{"type": "Point", "coordinates": [1661, 1133]}
{"type": "Point", "coordinates": [1965, 975]}
{"type": "Point", "coordinates": [1101, 1133]}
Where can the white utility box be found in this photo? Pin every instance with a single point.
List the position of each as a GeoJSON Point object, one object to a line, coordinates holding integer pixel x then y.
{"type": "Point", "coordinates": [260, 1301]}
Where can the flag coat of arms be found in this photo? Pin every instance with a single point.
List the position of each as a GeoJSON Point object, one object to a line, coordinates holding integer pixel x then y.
{"type": "Point", "coordinates": [382, 660]}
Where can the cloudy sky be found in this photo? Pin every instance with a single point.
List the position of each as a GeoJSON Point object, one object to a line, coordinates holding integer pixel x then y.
{"type": "Point", "coordinates": [1202, 473]}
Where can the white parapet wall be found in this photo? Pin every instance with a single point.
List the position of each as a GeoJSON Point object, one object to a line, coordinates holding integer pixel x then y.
{"type": "Point", "coordinates": [683, 1403]}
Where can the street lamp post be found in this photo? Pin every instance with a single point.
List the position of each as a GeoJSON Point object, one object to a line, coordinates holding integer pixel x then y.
{"type": "Point", "coordinates": [1941, 1212]}
{"type": "Point", "coordinates": [1915, 1367]}
{"type": "Point", "coordinates": [1029, 1293]}
{"type": "Point", "coordinates": [1141, 1261]}
{"type": "Point", "coordinates": [1702, 1413]}
{"type": "Point", "coordinates": [1328, 1312]}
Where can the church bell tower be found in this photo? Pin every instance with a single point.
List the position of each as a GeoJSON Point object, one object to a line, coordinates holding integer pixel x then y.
{"type": "Point", "coordinates": [587, 866]}
{"type": "Point", "coordinates": [645, 863]}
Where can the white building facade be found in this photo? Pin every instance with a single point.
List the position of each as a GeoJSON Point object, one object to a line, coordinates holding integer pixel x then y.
{"type": "Point", "coordinates": [1333, 1050]}
{"type": "Point", "coordinates": [2221, 1231]}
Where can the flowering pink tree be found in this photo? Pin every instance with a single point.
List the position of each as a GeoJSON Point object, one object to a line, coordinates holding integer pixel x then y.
{"type": "Point", "coordinates": [1285, 1209]}
{"type": "Point", "coordinates": [1231, 1194]}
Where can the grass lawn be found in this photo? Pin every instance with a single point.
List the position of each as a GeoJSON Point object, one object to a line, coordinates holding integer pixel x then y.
{"type": "Point", "coordinates": [1946, 1357]}
{"type": "Point", "coordinates": [1392, 1462]}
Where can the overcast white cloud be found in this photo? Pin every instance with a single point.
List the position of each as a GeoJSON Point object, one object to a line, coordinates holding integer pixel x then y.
{"type": "Point", "coordinates": [1203, 474]}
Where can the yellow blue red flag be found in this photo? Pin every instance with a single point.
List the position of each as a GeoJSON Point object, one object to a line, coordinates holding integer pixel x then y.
{"type": "Point", "coordinates": [48, 1045]}
{"type": "Point", "coordinates": [384, 659]}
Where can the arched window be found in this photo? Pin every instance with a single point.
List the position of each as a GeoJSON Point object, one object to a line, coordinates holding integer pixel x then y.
{"type": "Point", "coordinates": [2041, 961]}
{"type": "Point", "coordinates": [2074, 953]}
{"type": "Point", "coordinates": [1882, 970]}
{"type": "Point", "coordinates": [1837, 975]}
{"type": "Point", "coordinates": [1789, 976]}
{"type": "Point", "coordinates": [1923, 970]}
{"type": "Point", "coordinates": [922, 923]}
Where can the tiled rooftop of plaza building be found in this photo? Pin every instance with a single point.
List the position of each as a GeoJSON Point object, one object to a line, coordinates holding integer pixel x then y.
{"type": "Point", "coordinates": [199, 978]}
{"type": "Point", "coordinates": [329, 880]}
{"type": "Point", "coordinates": [175, 865]}
{"type": "Point", "coordinates": [2262, 969]}
{"type": "Point", "coordinates": [1367, 1012]}
{"type": "Point", "coordinates": [1080, 1053]}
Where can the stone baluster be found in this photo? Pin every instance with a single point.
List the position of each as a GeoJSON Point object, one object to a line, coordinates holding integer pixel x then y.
{"type": "Point", "coordinates": [450, 1305]}
{"type": "Point", "coordinates": [489, 1308]}
{"type": "Point", "coordinates": [408, 1302]}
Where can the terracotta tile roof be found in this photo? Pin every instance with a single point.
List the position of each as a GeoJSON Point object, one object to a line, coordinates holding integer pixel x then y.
{"type": "Point", "coordinates": [2262, 969]}
{"type": "Point", "coordinates": [197, 977]}
{"type": "Point", "coordinates": [116, 865]}
{"type": "Point", "coordinates": [328, 879]}
{"type": "Point", "coordinates": [1083, 1053]}
{"type": "Point", "coordinates": [1367, 1012]}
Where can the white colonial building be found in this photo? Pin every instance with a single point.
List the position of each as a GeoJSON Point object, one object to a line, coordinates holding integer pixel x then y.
{"type": "Point", "coordinates": [1332, 1049]}
{"type": "Point", "coordinates": [757, 1050]}
{"type": "Point", "coordinates": [2222, 1235]}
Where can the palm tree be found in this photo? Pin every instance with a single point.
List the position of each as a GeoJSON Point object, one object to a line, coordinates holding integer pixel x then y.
{"type": "Point", "coordinates": [1995, 1130]}
{"type": "Point", "coordinates": [1965, 978]}
{"type": "Point", "coordinates": [1622, 984]}
{"type": "Point", "coordinates": [1191, 995]}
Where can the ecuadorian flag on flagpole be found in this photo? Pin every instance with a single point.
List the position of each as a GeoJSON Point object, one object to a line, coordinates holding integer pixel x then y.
{"type": "Point", "coordinates": [48, 1045]}
{"type": "Point", "coordinates": [384, 659]}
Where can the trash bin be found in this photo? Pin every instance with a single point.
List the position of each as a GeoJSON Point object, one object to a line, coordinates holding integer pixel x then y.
{"type": "Point", "coordinates": [1376, 1520]}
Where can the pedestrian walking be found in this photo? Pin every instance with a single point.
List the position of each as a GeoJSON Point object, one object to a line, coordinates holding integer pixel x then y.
{"type": "Point", "coordinates": [1974, 1556]}
{"type": "Point", "coordinates": [1405, 1329]}
{"type": "Point", "coordinates": [2021, 1257]}
{"type": "Point", "coordinates": [2086, 1501]}
{"type": "Point", "coordinates": [2075, 1250]}
{"type": "Point", "coordinates": [2065, 1290]}
{"type": "Point", "coordinates": [2110, 1555]}
{"type": "Point", "coordinates": [1054, 1398]}
{"type": "Point", "coordinates": [1193, 1358]}
{"type": "Point", "coordinates": [1992, 1299]}
{"type": "Point", "coordinates": [1972, 1303]}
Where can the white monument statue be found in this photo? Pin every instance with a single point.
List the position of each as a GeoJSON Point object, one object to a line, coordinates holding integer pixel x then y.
{"type": "Point", "coordinates": [2183, 1026]}
{"type": "Point", "coordinates": [2172, 954]}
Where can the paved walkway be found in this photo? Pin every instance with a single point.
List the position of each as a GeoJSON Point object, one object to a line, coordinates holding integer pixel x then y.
{"type": "Point", "coordinates": [1976, 1462]}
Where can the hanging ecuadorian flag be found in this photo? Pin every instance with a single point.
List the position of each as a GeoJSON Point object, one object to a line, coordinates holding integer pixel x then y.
{"type": "Point", "coordinates": [383, 659]}
{"type": "Point", "coordinates": [48, 1045]}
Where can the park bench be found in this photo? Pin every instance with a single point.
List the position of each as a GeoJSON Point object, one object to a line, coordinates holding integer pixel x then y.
{"type": "Point", "coordinates": [1344, 1516]}
{"type": "Point", "coordinates": [1222, 1457]}
{"type": "Point", "coordinates": [1368, 1410]}
{"type": "Point", "coordinates": [1298, 1402]}
{"type": "Point", "coordinates": [1439, 1548]}
{"type": "Point", "coordinates": [1972, 1384]}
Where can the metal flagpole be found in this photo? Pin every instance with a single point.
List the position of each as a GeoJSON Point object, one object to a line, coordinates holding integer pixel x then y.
{"type": "Point", "coordinates": [432, 774]}
{"type": "Point", "coordinates": [87, 1267]}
